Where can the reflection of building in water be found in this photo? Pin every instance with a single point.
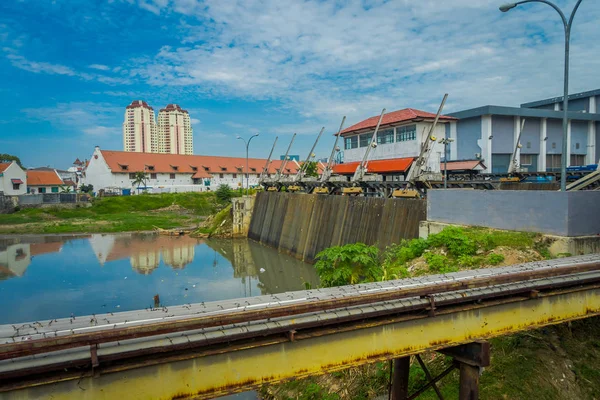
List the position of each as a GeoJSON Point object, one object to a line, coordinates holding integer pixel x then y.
{"type": "Point", "coordinates": [145, 250]}
{"type": "Point", "coordinates": [179, 257]}
{"type": "Point", "coordinates": [16, 257]}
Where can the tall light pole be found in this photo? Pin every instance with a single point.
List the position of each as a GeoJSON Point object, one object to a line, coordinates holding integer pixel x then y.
{"type": "Point", "coordinates": [567, 26]}
{"type": "Point", "coordinates": [446, 142]}
{"type": "Point", "coordinates": [247, 143]}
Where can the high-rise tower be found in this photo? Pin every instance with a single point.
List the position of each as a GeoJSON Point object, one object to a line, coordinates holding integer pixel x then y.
{"type": "Point", "coordinates": [139, 128]}
{"type": "Point", "coordinates": [175, 131]}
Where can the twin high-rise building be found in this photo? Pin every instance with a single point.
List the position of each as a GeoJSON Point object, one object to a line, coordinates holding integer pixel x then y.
{"type": "Point", "coordinates": [172, 134]}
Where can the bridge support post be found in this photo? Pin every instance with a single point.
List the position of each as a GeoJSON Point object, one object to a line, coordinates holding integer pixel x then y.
{"type": "Point", "coordinates": [472, 357]}
{"type": "Point", "coordinates": [400, 378]}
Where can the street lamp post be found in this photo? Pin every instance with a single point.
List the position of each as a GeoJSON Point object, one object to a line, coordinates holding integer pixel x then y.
{"type": "Point", "coordinates": [567, 25]}
{"type": "Point", "coordinates": [446, 142]}
{"type": "Point", "coordinates": [247, 143]}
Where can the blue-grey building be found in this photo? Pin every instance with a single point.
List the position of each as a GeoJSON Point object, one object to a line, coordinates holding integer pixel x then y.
{"type": "Point", "coordinates": [491, 133]}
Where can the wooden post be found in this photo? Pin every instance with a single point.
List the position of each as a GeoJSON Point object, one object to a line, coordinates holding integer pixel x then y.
{"type": "Point", "coordinates": [400, 378]}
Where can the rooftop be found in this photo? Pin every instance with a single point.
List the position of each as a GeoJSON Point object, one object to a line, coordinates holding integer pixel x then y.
{"type": "Point", "coordinates": [523, 112]}
{"type": "Point", "coordinates": [199, 166]}
{"type": "Point", "coordinates": [395, 117]}
{"type": "Point", "coordinates": [43, 178]}
{"type": "Point", "coordinates": [4, 166]}
{"type": "Point", "coordinates": [173, 107]}
{"type": "Point", "coordinates": [139, 103]}
{"type": "Point", "coordinates": [553, 100]}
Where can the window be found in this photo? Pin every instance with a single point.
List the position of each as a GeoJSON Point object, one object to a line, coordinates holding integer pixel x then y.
{"type": "Point", "coordinates": [528, 162]}
{"type": "Point", "coordinates": [131, 175]}
{"type": "Point", "coordinates": [150, 167]}
{"type": "Point", "coordinates": [153, 176]}
{"type": "Point", "coordinates": [42, 190]}
{"type": "Point", "coordinates": [365, 139]}
{"type": "Point", "coordinates": [234, 176]}
{"type": "Point", "coordinates": [406, 133]}
{"type": "Point", "coordinates": [553, 162]}
{"type": "Point", "coordinates": [526, 159]}
{"type": "Point", "coordinates": [172, 176]}
{"type": "Point", "coordinates": [351, 142]}
{"type": "Point", "coordinates": [16, 186]}
{"type": "Point", "coordinates": [528, 145]}
{"type": "Point", "coordinates": [577, 145]}
{"type": "Point", "coordinates": [54, 190]}
{"type": "Point", "coordinates": [553, 145]}
{"type": "Point", "coordinates": [577, 160]}
{"type": "Point", "coordinates": [221, 176]}
{"type": "Point", "coordinates": [385, 137]}
{"type": "Point", "coordinates": [175, 167]}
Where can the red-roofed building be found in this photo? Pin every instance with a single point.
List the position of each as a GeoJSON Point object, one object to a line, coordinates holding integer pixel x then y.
{"type": "Point", "coordinates": [174, 172]}
{"type": "Point", "coordinates": [43, 182]}
{"type": "Point", "coordinates": [400, 135]}
{"type": "Point", "coordinates": [13, 180]}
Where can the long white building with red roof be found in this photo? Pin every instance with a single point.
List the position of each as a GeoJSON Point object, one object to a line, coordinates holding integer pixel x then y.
{"type": "Point", "coordinates": [109, 169]}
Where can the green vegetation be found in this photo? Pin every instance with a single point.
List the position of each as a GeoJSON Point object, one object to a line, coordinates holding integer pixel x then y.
{"type": "Point", "coordinates": [451, 250]}
{"type": "Point", "coordinates": [224, 193]}
{"type": "Point", "coordinates": [218, 224]}
{"type": "Point", "coordinates": [8, 158]}
{"type": "Point", "coordinates": [116, 214]}
{"type": "Point", "coordinates": [139, 179]}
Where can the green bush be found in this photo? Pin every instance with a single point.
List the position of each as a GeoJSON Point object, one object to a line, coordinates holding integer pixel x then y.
{"type": "Point", "coordinates": [348, 264]}
{"type": "Point", "coordinates": [495, 259]}
{"type": "Point", "coordinates": [455, 240]}
{"type": "Point", "coordinates": [439, 263]}
{"type": "Point", "coordinates": [224, 193]}
{"type": "Point", "coordinates": [468, 261]}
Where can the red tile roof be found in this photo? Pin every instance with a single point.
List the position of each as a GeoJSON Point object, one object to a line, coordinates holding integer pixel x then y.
{"type": "Point", "coordinates": [173, 107]}
{"type": "Point", "coordinates": [399, 165]}
{"type": "Point", "coordinates": [43, 178]}
{"type": "Point", "coordinates": [200, 166]}
{"type": "Point", "coordinates": [466, 165]}
{"type": "Point", "coordinates": [3, 166]}
{"type": "Point", "coordinates": [139, 103]}
{"type": "Point", "coordinates": [407, 114]}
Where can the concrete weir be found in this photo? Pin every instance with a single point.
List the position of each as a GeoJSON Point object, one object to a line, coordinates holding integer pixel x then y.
{"type": "Point", "coordinates": [303, 225]}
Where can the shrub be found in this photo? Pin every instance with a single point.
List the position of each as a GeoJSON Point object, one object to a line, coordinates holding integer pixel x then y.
{"type": "Point", "coordinates": [495, 259]}
{"type": "Point", "coordinates": [224, 193]}
{"type": "Point", "coordinates": [439, 263]}
{"type": "Point", "coordinates": [469, 261]}
{"type": "Point", "coordinates": [348, 264]}
{"type": "Point", "coordinates": [455, 240]}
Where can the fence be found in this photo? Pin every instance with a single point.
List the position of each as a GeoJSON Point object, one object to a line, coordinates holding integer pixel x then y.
{"type": "Point", "coordinates": [47, 198]}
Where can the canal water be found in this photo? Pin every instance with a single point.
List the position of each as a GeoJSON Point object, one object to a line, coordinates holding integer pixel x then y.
{"type": "Point", "coordinates": [46, 277]}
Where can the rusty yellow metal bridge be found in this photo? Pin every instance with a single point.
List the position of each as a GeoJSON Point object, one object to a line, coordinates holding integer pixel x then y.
{"type": "Point", "coordinates": [210, 349]}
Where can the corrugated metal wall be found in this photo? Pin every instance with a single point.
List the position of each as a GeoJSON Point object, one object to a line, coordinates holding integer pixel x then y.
{"type": "Point", "coordinates": [302, 225]}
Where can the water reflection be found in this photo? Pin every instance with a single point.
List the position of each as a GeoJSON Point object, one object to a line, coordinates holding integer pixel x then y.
{"type": "Point", "coordinates": [44, 277]}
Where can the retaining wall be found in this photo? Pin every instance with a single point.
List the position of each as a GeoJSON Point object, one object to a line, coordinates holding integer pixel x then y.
{"type": "Point", "coordinates": [558, 213]}
{"type": "Point", "coordinates": [303, 225]}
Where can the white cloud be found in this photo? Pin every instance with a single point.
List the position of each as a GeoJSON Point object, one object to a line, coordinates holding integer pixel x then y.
{"type": "Point", "coordinates": [328, 59]}
{"type": "Point", "coordinates": [194, 121]}
{"type": "Point", "coordinates": [99, 67]}
{"type": "Point", "coordinates": [37, 67]}
{"type": "Point", "coordinates": [97, 119]}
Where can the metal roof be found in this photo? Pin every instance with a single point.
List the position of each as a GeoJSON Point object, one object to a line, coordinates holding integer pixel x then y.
{"type": "Point", "coordinates": [553, 100]}
{"type": "Point", "coordinates": [523, 112]}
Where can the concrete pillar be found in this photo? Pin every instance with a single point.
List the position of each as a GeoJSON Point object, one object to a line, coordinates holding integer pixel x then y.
{"type": "Point", "coordinates": [557, 106]}
{"type": "Point", "coordinates": [454, 144]}
{"type": "Point", "coordinates": [400, 378]}
{"type": "Point", "coordinates": [485, 143]}
{"type": "Point", "coordinates": [593, 106]}
{"type": "Point", "coordinates": [242, 215]}
{"type": "Point", "coordinates": [568, 155]}
{"type": "Point", "coordinates": [543, 142]}
{"type": "Point", "coordinates": [591, 143]}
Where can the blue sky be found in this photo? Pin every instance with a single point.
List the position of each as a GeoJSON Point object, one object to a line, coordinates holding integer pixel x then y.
{"type": "Point", "coordinates": [68, 68]}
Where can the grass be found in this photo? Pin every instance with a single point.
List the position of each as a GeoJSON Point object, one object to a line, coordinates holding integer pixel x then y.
{"type": "Point", "coordinates": [116, 214]}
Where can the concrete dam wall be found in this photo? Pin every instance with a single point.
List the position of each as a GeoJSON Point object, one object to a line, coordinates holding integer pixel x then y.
{"type": "Point", "coordinates": [303, 225]}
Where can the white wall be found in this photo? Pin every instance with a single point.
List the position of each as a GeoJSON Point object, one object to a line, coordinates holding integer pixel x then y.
{"type": "Point", "coordinates": [405, 149]}
{"type": "Point", "coordinates": [100, 176]}
{"type": "Point", "coordinates": [13, 172]}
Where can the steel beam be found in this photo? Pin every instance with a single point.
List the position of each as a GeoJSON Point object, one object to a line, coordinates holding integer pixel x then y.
{"type": "Point", "coordinates": [242, 367]}
{"type": "Point", "coordinates": [400, 378]}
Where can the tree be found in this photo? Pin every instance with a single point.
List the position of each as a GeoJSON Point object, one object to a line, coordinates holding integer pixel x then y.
{"type": "Point", "coordinates": [87, 188]}
{"type": "Point", "coordinates": [140, 179]}
{"type": "Point", "coordinates": [311, 169]}
{"type": "Point", "coordinates": [6, 158]}
{"type": "Point", "coordinates": [224, 193]}
{"type": "Point", "coordinates": [66, 189]}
